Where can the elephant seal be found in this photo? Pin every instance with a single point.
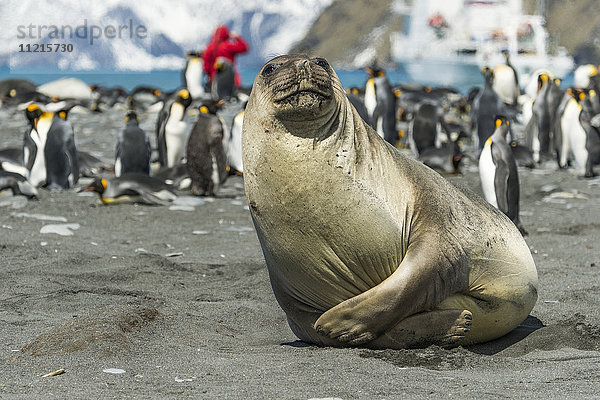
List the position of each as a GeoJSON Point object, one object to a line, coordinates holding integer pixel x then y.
{"type": "Point", "coordinates": [365, 246]}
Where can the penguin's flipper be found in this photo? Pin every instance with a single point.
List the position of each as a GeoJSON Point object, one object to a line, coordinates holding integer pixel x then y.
{"type": "Point", "coordinates": [162, 198]}
{"type": "Point", "coordinates": [501, 181]}
{"type": "Point", "coordinates": [161, 142]}
{"type": "Point", "coordinates": [29, 150]}
{"type": "Point", "coordinates": [73, 160]}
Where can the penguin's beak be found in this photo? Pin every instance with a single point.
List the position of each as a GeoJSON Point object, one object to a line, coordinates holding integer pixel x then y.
{"type": "Point", "coordinates": [86, 189]}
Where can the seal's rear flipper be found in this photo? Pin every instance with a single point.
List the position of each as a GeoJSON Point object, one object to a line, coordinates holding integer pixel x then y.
{"type": "Point", "coordinates": [445, 328]}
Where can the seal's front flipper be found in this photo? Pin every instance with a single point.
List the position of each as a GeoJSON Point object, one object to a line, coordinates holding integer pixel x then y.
{"type": "Point", "coordinates": [425, 277]}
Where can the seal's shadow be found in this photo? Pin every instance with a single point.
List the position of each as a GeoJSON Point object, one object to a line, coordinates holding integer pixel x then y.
{"type": "Point", "coordinates": [527, 327]}
{"type": "Point", "coordinates": [297, 343]}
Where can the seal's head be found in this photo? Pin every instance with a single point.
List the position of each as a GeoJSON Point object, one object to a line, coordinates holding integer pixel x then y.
{"type": "Point", "coordinates": [297, 87]}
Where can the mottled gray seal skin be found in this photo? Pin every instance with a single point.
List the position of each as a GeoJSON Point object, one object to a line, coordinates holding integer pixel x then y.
{"type": "Point", "coordinates": [365, 246]}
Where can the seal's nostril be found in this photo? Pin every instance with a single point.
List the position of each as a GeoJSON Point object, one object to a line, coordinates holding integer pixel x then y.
{"type": "Point", "coordinates": [303, 68]}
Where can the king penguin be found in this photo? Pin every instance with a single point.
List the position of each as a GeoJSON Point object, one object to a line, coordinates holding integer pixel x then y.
{"type": "Point", "coordinates": [538, 127]}
{"type": "Point", "coordinates": [499, 175]}
{"type": "Point", "coordinates": [172, 129]}
{"type": "Point", "coordinates": [49, 149]}
{"type": "Point", "coordinates": [206, 158]}
{"type": "Point", "coordinates": [132, 188]}
{"type": "Point", "coordinates": [506, 81]}
{"type": "Point", "coordinates": [17, 184]}
{"type": "Point", "coordinates": [380, 102]}
{"type": "Point", "coordinates": [133, 148]}
{"type": "Point", "coordinates": [424, 126]}
{"type": "Point", "coordinates": [62, 163]}
{"type": "Point", "coordinates": [234, 148]}
{"type": "Point", "coordinates": [223, 85]}
{"type": "Point", "coordinates": [572, 134]}
{"type": "Point", "coordinates": [588, 154]}
{"type": "Point", "coordinates": [34, 142]}
{"type": "Point", "coordinates": [486, 106]}
{"type": "Point", "coordinates": [193, 75]}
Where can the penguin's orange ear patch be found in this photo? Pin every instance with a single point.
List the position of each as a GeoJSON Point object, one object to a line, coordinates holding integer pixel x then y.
{"type": "Point", "coordinates": [581, 95]}
{"type": "Point", "coordinates": [204, 110]}
{"type": "Point", "coordinates": [32, 107]}
{"type": "Point", "coordinates": [184, 94]}
{"type": "Point", "coordinates": [498, 122]}
{"type": "Point", "coordinates": [103, 182]}
{"type": "Point", "coordinates": [62, 115]}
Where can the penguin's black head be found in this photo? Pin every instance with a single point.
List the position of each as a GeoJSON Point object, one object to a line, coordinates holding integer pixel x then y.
{"type": "Point", "coordinates": [63, 114]}
{"type": "Point", "coordinates": [222, 64]}
{"type": "Point", "coordinates": [576, 93]}
{"type": "Point", "coordinates": [488, 74]}
{"type": "Point", "coordinates": [98, 186]}
{"type": "Point", "coordinates": [542, 79]}
{"type": "Point", "coordinates": [374, 71]}
{"type": "Point", "coordinates": [501, 120]}
{"type": "Point", "coordinates": [211, 106]}
{"type": "Point", "coordinates": [184, 97]}
{"type": "Point", "coordinates": [132, 117]}
{"type": "Point", "coordinates": [191, 54]}
{"type": "Point", "coordinates": [33, 112]}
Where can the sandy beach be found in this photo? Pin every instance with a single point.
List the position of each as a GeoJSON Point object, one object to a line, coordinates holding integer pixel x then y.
{"type": "Point", "coordinates": [175, 302]}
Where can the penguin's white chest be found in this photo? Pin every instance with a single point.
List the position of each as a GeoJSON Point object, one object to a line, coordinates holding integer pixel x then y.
{"type": "Point", "coordinates": [234, 148]}
{"type": "Point", "coordinates": [176, 134]}
{"type": "Point", "coordinates": [370, 97]}
{"type": "Point", "coordinates": [505, 84]}
{"type": "Point", "coordinates": [574, 136]}
{"type": "Point", "coordinates": [193, 77]}
{"type": "Point", "coordinates": [487, 173]}
{"type": "Point", "coordinates": [37, 174]}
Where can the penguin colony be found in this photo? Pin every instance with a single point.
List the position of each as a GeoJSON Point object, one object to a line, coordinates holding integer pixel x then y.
{"type": "Point", "coordinates": [198, 131]}
{"type": "Point", "coordinates": [194, 147]}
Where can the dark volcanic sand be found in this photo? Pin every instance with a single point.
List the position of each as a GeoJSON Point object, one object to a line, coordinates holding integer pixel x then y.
{"type": "Point", "coordinates": [192, 315]}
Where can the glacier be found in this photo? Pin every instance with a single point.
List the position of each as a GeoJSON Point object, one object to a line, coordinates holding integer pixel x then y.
{"type": "Point", "coordinates": [270, 26]}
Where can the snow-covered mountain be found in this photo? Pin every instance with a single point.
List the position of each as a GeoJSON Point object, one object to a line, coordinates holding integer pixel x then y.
{"type": "Point", "coordinates": [154, 34]}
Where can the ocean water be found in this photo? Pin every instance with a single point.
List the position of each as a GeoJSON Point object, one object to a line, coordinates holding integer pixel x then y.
{"type": "Point", "coordinates": [171, 79]}
{"type": "Point", "coordinates": [168, 80]}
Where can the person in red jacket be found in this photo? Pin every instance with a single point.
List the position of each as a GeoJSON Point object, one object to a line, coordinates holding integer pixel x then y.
{"type": "Point", "coordinates": [223, 44]}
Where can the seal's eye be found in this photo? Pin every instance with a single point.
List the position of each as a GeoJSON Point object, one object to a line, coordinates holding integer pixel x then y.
{"type": "Point", "coordinates": [269, 69]}
{"type": "Point", "coordinates": [321, 62]}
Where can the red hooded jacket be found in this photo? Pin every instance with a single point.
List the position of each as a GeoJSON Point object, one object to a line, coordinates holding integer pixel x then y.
{"type": "Point", "coordinates": [225, 45]}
